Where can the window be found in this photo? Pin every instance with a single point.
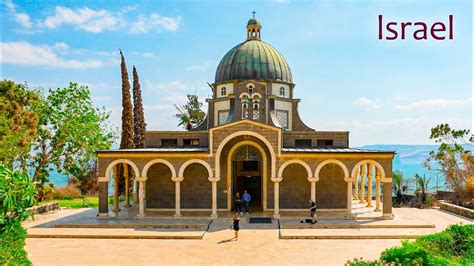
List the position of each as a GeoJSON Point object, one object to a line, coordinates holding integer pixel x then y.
{"type": "Point", "coordinates": [222, 117]}
{"type": "Point", "coordinates": [191, 142]}
{"type": "Point", "coordinates": [302, 143]}
{"type": "Point", "coordinates": [250, 90]}
{"type": "Point", "coordinates": [223, 91]}
{"type": "Point", "coordinates": [169, 142]}
{"type": "Point", "coordinates": [325, 143]}
{"type": "Point", "coordinates": [245, 109]}
{"type": "Point", "coordinates": [282, 91]}
{"type": "Point", "coordinates": [282, 118]}
{"type": "Point", "coordinates": [256, 111]}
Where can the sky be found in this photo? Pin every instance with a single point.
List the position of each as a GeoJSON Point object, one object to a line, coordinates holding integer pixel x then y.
{"type": "Point", "coordinates": [383, 92]}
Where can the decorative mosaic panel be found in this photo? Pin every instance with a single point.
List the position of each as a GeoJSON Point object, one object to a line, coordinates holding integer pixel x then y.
{"type": "Point", "coordinates": [222, 117]}
{"type": "Point", "coordinates": [256, 115]}
{"type": "Point", "coordinates": [282, 117]}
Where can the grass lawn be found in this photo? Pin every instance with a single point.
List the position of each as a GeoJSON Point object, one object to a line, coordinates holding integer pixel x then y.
{"type": "Point", "coordinates": [78, 203]}
{"type": "Point", "coordinates": [74, 203]}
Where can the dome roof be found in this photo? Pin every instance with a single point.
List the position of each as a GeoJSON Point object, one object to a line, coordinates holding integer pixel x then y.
{"type": "Point", "coordinates": [255, 60]}
{"type": "Point", "coordinates": [253, 21]}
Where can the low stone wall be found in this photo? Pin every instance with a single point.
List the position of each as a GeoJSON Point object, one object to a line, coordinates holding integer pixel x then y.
{"type": "Point", "coordinates": [456, 209]}
{"type": "Point", "coordinates": [44, 208]}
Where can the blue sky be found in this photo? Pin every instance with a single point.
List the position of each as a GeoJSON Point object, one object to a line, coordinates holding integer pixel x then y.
{"type": "Point", "coordinates": [383, 92]}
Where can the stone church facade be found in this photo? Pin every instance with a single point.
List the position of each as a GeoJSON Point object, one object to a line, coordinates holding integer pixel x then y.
{"type": "Point", "coordinates": [252, 139]}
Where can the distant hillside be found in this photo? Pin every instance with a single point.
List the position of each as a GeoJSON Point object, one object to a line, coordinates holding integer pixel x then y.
{"type": "Point", "coordinates": [408, 152]}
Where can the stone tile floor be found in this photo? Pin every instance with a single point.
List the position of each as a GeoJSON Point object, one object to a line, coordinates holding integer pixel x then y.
{"type": "Point", "coordinates": [258, 244]}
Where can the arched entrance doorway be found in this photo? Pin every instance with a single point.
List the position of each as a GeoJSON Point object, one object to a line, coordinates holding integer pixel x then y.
{"type": "Point", "coordinates": [247, 173]}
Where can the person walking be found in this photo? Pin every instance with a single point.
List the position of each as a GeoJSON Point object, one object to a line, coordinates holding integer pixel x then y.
{"type": "Point", "coordinates": [312, 211]}
{"type": "Point", "coordinates": [237, 203]}
{"type": "Point", "coordinates": [246, 199]}
{"type": "Point", "coordinates": [236, 226]}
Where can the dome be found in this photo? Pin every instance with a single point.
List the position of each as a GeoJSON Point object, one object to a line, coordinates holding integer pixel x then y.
{"type": "Point", "coordinates": [253, 59]}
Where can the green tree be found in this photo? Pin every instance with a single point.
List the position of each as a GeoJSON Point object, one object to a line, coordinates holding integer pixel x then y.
{"type": "Point", "coordinates": [138, 114]}
{"type": "Point", "coordinates": [398, 182]}
{"type": "Point", "coordinates": [18, 122]}
{"type": "Point", "coordinates": [70, 130]}
{"type": "Point", "coordinates": [190, 115]}
{"type": "Point", "coordinates": [452, 159]}
{"type": "Point", "coordinates": [126, 141]}
{"type": "Point", "coordinates": [16, 195]}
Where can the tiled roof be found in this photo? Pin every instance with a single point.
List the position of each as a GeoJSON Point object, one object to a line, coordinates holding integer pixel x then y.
{"type": "Point", "coordinates": [174, 149]}
{"type": "Point", "coordinates": [332, 150]}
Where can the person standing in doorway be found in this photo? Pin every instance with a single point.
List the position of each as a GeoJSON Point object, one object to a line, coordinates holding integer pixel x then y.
{"type": "Point", "coordinates": [237, 203]}
{"type": "Point", "coordinates": [246, 199]}
{"type": "Point", "coordinates": [312, 211]}
{"type": "Point", "coordinates": [236, 226]}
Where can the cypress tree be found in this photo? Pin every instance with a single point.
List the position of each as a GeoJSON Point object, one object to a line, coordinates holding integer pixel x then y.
{"type": "Point", "coordinates": [126, 141]}
{"type": "Point", "coordinates": [138, 114]}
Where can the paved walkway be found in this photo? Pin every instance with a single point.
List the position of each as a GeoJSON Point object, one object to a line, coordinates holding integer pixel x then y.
{"type": "Point", "coordinates": [257, 244]}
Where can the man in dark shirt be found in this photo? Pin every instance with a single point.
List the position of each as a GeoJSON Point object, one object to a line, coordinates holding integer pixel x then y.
{"type": "Point", "coordinates": [312, 211]}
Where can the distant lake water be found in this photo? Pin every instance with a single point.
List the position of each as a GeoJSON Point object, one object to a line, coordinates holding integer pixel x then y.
{"type": "Point", "coordinates": [409, 160]}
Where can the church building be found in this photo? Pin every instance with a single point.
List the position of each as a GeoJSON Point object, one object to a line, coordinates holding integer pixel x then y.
{"type": "Point", "coordinates": [252, 139]}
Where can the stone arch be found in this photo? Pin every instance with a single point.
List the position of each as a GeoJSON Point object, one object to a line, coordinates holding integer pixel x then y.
{"type": "Point", "coordinates": [377, 165]}
{"type": "Point", "coordinates": [152, 162]}
{"type": "Point", "coordinates": [334, 161]}
{"type": "Point", "coordinates": [295, 161]}
{"type": "Point", "coordinates": [232, 150]}
{"type": "Point", "coordinates": [198, 161]}
{"type": "Point", "coordinates": [119, 161]}
{"type": "Point", "coordinates": [244, 133]}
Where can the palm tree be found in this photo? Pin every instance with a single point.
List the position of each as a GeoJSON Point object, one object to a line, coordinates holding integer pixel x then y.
{"type": "Point", "coordinates": [398, 181]}
{"type": "Point", "coordinates": [421, 185]}
{"type": "Point", "coordinates": [184, 119]}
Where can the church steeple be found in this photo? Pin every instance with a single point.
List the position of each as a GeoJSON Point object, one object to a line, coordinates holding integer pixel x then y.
{"type": "Point", "coordinates": [253, 28]}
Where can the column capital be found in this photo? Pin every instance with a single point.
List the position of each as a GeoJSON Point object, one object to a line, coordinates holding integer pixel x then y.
{"type": "Point", "coordinates": [177, 178]}
{"type": "Point", "coordinates": [313, 179]}
{"type": "Point", "coordinates": [214, 179]}
{"type": "Point", "coordinates": [103, 179]}
{"type": "Point", "coordinates": [276, 179]}
{"type": "Point", "coordinates": [141, 179]}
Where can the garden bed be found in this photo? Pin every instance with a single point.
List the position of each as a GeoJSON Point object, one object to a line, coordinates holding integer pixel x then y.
{"type": "Point", "coordinates": [456, 209]}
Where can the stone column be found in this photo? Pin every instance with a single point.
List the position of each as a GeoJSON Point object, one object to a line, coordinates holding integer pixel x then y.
{"type": "Point", "coordinates": [349, 199]}
{"type": "Point", "coordinates": [370, 174]}
{"type": "Point", "coordinates": [214, 181]}
{"type": "Point", "coordinates": [387, 200]}
{"type": "Point", "coordinates": [362, 183]}
{"type": "Point", "coordinates": [356, 185]}
{"type": "Point", "coordinates": [103, 197]}
{"type": "Point", "coordinates": [116, 189]}
{"type": "Point", "coordinates": [276, 204]}
{"type": "Point", "coordinates": [313, 181]}
{"type": "Point", "coordinates": [127, 186]}
{"type": "Point", "coordinates": [377, 190]}
{"type": "Point", "coordinates": [141, 196]}
{"type": "Point", "coordinates": [177, 193]}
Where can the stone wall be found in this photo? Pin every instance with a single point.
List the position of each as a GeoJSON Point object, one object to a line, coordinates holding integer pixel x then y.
{"type": "Point", "coordinates": [160, 189]}
{"type": "Point", "coordinates": [456, 209]}
{"type": "Point", "coordinates": [331, 189]}
{"type": "Point", "coordinates": [196, 190]}
{"type": "Point", "coordinates": [295, 189]}
{"type": "Point", "coordinates": [44, 208]}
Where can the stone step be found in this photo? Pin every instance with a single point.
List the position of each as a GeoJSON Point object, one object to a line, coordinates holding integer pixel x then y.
{"type": "Point", "coordinates": [145, 233]}
{"type": "Point", "coordinates": [354, 226]}
{"type": "Point", "coordinates": [116, 225]}
{"type": "Point", "coordinates": [385, 233]}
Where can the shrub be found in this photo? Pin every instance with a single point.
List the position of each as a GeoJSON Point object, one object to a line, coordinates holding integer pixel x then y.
{"type": "Point", "coordinates": [67, 198]}
{"type": "Point", "coordinates": [70, 191]}
{"type": "Point", "coordinates": [362, 262]}
{"type": "Point", "coordinates": [16, 195]}
{"type": "Point", "coordinates": [407, 254]}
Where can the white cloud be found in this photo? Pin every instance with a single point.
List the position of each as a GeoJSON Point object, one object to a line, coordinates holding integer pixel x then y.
{"type": "Point", "coordinates": [24, 53]}
{"type": "Point", "coordinates": [172, 85]}
{"type": "Point", "coordinates": [433, 103]}
{"type": "Point", "coordinates": [21, 18]}
{"type": "Point", "coordinates": [155, 22]}
{"type": "Point", "coordinates": [368, 103]}
{"type": "Point", "coordinates": [87, 19]}
{"type": "Point", "coordinates": [144, 54]}
{"type": "Point", "coordinates": [202, 67]}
